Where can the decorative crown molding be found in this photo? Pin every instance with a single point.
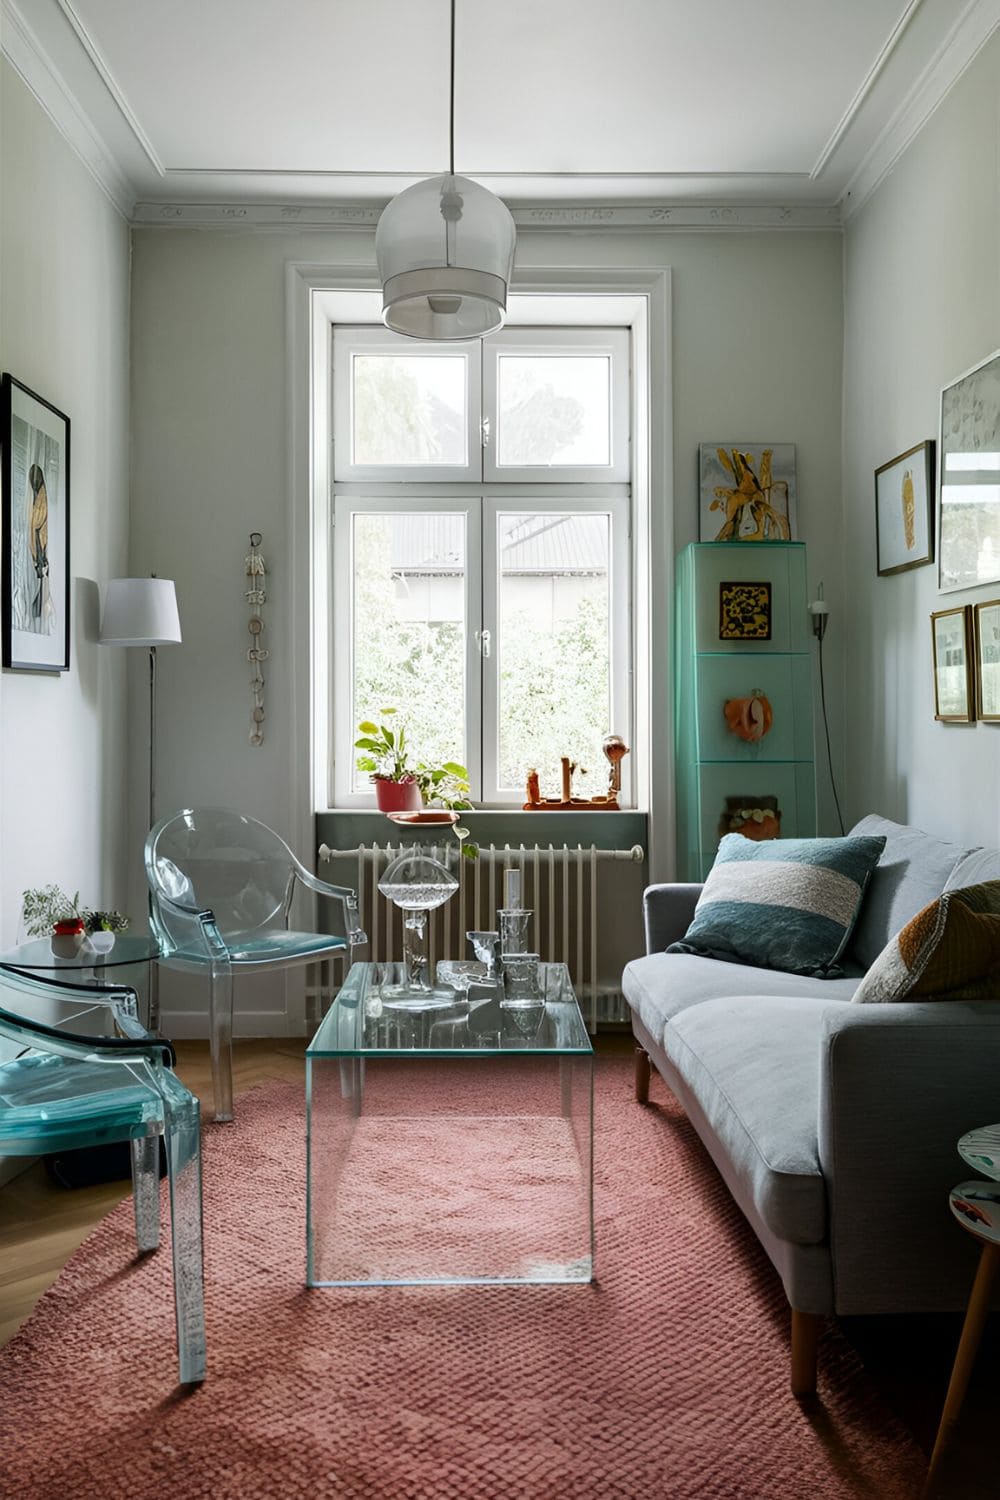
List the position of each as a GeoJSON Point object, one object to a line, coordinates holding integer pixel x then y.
{"type": "Point", "coordinates": [967, 37]}
{"type": "Point", "coordinates": [30, 61]}
{"type": "Point", "coordinates": [559, 217]}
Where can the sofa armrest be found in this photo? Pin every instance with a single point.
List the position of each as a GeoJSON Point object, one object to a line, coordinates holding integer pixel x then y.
{"type": "Point", "coordinates": [898, 1085]}
{"type": "Point", "coordinates": [667, 911]}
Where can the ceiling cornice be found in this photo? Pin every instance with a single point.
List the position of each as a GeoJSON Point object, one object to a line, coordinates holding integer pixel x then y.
{"type": "Point", "coordinates": [970, 33]}
{"type": "Point", "coordinates": [556, 217]}
{"type": "Point", "coordinates": [40, 76]}
{"type": "Point", "coordinates": [976, 23]}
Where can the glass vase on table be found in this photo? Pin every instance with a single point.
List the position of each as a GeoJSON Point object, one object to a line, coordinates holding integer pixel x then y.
{"type": "Point", "coordinates": [417, 885]}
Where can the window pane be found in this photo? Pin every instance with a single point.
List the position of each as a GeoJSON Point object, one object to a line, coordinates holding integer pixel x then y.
{"type": "Point", "coordinates": [555, 647]}
{"type": "Point", "coordinates": [409, 629]}
{"type": "Point", "coordinates": [554, 409]}
{"type": "Point", "coordinates": [409, 409]}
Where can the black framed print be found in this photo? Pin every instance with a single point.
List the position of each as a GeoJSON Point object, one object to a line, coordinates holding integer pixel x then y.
{"type": "Point", "coordinates": [904, 511]}
{"type": "Point", "coordinates": [34, 595]}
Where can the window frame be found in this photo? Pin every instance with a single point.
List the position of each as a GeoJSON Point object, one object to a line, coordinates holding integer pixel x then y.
{"type": "Point", "coordinates": [348, 342]}
{"type": "Point", "coordinates": [380, 488]}
{"type": "Point", "coordinates": [348, 502]}
{"type": "Point", "coordinates": [614, 502]}
{"type": "Point", "coordinates": [556, 343]}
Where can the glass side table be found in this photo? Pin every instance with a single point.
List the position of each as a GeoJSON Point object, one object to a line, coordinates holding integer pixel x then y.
{"type": "Point", "coordinates": [976, 1206]}
{"type": "Point", "coordinates": [448, 1145]}
{"type": "Point", "coordinates": [129, 951]}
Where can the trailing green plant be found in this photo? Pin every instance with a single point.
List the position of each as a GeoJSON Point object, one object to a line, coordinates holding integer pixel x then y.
{"type": "Point", "coordinates": [105, 921]}
{"type": "Point", "coordinates": [46, 905]}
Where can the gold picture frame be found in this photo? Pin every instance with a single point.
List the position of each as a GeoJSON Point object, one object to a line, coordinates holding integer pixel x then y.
{"type": "Point", "coordinates": [954, 689]}
{"type": "Point", "coordinates": [986, 635]}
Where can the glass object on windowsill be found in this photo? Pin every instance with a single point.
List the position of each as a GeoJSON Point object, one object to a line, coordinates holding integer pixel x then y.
{"type": "Point", "coordinates": [416, 884]}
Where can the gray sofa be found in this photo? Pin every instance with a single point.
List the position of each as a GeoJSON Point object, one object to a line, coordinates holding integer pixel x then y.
{"type": "Point", "coordinates": [834, 1125]}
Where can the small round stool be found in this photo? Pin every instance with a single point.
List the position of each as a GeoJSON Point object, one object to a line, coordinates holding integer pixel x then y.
{"type": "Point", "coordinates": [976, 1206]}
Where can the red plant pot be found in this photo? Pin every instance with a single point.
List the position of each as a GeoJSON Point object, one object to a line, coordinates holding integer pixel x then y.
{"type": "Point", "coordinates": [397, 796]}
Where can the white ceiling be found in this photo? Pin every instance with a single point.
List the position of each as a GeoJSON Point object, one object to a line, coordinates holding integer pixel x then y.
{"type": "Point", "coordinates": [589, 102]}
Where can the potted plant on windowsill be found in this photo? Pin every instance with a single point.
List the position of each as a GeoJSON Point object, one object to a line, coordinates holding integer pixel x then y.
{"type": "Point", "coordinates": [402, 786]}
{"type": "Point", "coordinates": [385, 758]}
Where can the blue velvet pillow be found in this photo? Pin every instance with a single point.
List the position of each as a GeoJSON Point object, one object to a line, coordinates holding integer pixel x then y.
{"type": "Point", "coordinates": [787, 904]}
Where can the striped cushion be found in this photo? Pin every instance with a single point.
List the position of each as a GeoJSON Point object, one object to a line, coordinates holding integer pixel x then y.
{"type": "Point", "coordinates": [948, 951]}
{"type": "Point", "coordinates": [785, 904]}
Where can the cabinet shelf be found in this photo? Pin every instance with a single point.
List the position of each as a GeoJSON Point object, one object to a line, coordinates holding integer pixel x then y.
{"type": "Point", "coordinates": [714, 765]}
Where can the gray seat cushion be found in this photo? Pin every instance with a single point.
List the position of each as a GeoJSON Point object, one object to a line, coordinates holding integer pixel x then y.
{"type": "Point", "coordinates": [912, 871]}
{"type": "Point", "coordinates": [761, 1100]}
{"type": "Point", "coordinates": [661, 985]}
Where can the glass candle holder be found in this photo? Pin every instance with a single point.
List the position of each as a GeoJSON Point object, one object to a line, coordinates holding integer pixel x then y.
{"type": "Point", "coordinates": [521, 976]}
{"type": "Point", "coordinates": [514, 924]}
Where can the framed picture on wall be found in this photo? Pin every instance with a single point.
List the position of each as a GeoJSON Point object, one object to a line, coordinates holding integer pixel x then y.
{"type": "Point", "coordinates": [744, 611]}
{"type": "Point", "coordinates": [904, 506]}
{"type": "Point", "coordinates": [747, 492]}
{"type": "Point", "coordinates": [951, 632]}
{"type": "Point", "coordinates": [969, 489]}
{"type": "Point", "coordinates": [34, 596]}
{"type": "Point", "coordinates": [987, 642]}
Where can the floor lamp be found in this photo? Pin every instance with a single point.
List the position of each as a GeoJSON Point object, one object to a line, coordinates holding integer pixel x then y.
{"type": "Point", "coordinates": [143, 612]}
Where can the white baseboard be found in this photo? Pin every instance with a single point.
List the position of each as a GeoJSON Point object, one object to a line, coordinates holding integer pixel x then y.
{"type": "Point", "coordinates": [192, 1025]}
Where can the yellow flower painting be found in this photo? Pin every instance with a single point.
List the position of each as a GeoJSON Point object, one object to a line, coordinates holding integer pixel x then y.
{"type": "Point", "coordinates": [747, 492]}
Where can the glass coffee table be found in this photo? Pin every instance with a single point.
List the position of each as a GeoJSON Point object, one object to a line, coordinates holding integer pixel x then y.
{"type": "Point", "coordinates": [449, 1139]}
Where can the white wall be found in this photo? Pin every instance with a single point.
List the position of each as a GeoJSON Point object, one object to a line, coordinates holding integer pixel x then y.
{"type": "Point", "coordinates": [922, 280]}
{"type": "Point", "coordinates": [757, 338]}
{"type": "Point", "coordinates": [64, 294]}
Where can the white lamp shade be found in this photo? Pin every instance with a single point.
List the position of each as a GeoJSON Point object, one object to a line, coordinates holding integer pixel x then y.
{"type": "Point", "coordinates": [445, 250]}
{"type": "Point", "coordinates": [140, 612]}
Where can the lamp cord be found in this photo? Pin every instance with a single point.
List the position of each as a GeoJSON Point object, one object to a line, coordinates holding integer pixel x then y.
{"type": "Point", "coordinates": [826, 728]}
{"type": "Point", "coordinates": [451, 117]}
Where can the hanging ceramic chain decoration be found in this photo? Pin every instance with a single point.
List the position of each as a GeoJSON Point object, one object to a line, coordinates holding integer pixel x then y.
{"type": "Point", "coordinates": [256, 597]}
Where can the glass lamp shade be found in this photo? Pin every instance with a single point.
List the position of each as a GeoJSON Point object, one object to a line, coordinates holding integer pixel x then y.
{"type": "Point", "coordinates": [140, 612]}
{"type": "Point", "coordinates": [445, 249]}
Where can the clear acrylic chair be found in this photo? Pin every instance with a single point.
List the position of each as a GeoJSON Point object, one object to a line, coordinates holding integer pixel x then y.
{"type": "Point", "coordinates": [73, 1090]}
{"type": "Point", "coordinates": [221, 893]}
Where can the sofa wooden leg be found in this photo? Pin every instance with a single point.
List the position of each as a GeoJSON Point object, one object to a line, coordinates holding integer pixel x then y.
{"type": "Point", "coordinates": [806, 1329]}
{"type": "Point", "coordinates": [641, 1075]}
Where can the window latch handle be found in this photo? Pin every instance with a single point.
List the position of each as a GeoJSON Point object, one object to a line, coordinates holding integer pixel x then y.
{"type": "Point", "coordinates": [484, 641]}
{"type": "Point", "coordinates": [485, 432]}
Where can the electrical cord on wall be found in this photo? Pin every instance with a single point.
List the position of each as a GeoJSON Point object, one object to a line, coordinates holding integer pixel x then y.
{"type": "Point", "coordinates": [820, 612]}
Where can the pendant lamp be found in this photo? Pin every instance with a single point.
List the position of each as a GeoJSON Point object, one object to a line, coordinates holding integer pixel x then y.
{"type": "Point", "coordinates": [445, 250]}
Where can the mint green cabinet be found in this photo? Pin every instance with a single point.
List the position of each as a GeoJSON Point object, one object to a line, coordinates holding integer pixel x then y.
{"type": "Point", "coordinates": [714, 766]}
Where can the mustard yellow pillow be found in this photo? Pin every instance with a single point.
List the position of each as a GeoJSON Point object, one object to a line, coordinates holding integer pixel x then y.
{"type": "Point", "coordinates": [948, 951]}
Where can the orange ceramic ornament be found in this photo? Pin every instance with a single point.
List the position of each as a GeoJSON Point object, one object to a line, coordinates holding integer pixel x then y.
{"type": "Point", "coordinates": [749, 718]}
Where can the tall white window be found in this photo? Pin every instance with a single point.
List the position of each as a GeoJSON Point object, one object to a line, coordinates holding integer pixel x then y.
{"type": "Point", "coordinates": [481, 551]}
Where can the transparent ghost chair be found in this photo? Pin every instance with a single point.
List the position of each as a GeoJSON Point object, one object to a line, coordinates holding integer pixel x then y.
{"type": "Point", "coordinates": [70, 1089]}
{"type": "Point", "coordinates": [221, 888]}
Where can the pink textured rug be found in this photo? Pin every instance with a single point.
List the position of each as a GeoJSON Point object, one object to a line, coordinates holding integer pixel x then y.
{"type": "Point", "coordinates": [666, 1378]}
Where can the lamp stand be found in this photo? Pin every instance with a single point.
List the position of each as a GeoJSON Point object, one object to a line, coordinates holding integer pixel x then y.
{"type": "Point", "coordinates": [153, 969]}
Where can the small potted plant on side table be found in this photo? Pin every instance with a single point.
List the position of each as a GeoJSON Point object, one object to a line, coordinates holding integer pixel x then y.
{"type": "Point", "coordinates": [48, 912]}
{"type": "Point", "coordinates": [102, 928]}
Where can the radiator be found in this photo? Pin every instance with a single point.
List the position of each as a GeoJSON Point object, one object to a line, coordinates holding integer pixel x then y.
{"type": "Point", "coordinates": [582, 910]}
